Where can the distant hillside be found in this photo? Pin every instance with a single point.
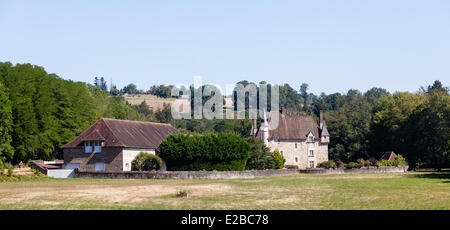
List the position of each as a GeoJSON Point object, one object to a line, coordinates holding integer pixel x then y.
{"type": "Point", "coordinates": [155, 103]}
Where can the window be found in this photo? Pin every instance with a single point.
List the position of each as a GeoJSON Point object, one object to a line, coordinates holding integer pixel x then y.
{"type": "Point", "coordinates": [127, 165]}
{"type": "Point", "coordinates": [72, 166]}
{"type": "Point", "coordinates": [281, 153]}
{"type": "Point", "coordinates": [90, 146]}
{"type": "Point", "coordinates": [311, 164]}
{"type": "Point", "coordinates": [87, 147]}
{"type": "Point", "coordinates": [311, 153]}
{"type": "Point", "coordinates": [295, 145]}
{"type": "Point", "coordinates": [311, 138]}
{"type": "Point", "coordinates": [296, 159]}
{"type": "Point", "coordinates": [97, 146]}
{"type": "Point", "coordinates": [99, 167]}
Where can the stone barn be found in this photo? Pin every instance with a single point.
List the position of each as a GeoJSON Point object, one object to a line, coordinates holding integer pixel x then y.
{"type": "Point", "coordinates": [111, 145]}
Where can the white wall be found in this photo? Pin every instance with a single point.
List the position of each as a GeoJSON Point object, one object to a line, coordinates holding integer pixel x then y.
{"type": "Point", "coordinates": [129, 155]}
{"type": "Point", "coordinates": [61, 173]}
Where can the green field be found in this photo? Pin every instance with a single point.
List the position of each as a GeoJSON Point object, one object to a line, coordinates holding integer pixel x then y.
{"type": "Point", "coordinates": [424, 190]}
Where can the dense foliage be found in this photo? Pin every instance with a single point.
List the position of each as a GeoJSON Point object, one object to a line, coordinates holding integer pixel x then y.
{"type": "Point", "coordinates": [261, 157]}
{"type": "Point", "coordinates": [40, 112]}
{"type": "Point", "coordinates": [211, 151]}
{"type": "Point", "coordinates": [146, 162]}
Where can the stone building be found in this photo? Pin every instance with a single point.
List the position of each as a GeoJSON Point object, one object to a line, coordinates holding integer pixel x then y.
{"type": "Point", "coordinates": [301, 141]}
{"type": "Point", "coordinates": [111, 145]}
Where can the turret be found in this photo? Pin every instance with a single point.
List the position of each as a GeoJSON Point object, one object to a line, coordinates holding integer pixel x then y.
{"type": "Point", "coordinates": [324, 135]}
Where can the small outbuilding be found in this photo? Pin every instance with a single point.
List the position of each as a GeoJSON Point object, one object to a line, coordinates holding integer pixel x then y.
{"type": "Point", "coordinates": [389, 156]}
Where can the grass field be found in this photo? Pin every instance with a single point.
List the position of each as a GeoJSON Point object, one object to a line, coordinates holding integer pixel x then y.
{"type": "Point", "coordinates": [350, 191]}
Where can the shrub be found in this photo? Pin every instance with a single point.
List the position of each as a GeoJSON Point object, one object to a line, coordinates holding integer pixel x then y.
{"type": "Point", "coordinates": [260, 156]}
{"type": "Point", "coordinates": [352, 165]}
{"type": "Point", "coordinates": [399, 161]}
{"type": "Point", "coordinates": [340, 164]}
{"type": "Point", "coordinates": [291, 166]}
{"type": "Point", "coordinates": [146, 162]}
{"type": "Point", "coordinates": [10, 170]}
{"type": "Point", "coordinates": [363, 163]}
{"type": "Point", "coordinates": [2, 167]}
{"type": "Point", "coordinates": [213, 151]}
{"type": "Point", "coordinates": [279, 159]}
{"type": "Point", "coordinates": [327, 165]}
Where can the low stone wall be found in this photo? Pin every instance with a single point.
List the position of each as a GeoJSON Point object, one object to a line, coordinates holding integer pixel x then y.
{"type": "Point", "coordinates": [185, 174]}
{"type": "Point", "coordinates": [382, 169]}
{"type": "Point", "coordinates": [229, 174]}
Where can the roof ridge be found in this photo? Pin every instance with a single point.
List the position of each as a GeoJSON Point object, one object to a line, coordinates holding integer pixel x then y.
{"type": "Point", "coordinates": [150, 122]}
{"type": "Point", "coordinates": [110, 130]}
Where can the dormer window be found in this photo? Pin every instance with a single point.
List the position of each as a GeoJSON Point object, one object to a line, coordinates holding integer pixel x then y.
{"type": "Point", "coordinates": [310, 137]}
{"type": "Point", "coordinates": [92, 146]}
{"type": "Point", "coordinates": [87, 147]}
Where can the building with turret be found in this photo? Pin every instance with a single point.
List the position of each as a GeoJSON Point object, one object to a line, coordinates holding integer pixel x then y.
{"type": "Point", "coordinates": [301, 141]}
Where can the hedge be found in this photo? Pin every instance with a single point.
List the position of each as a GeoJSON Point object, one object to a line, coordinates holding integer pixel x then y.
{"type": "Point", "coordinates": [212, 151]}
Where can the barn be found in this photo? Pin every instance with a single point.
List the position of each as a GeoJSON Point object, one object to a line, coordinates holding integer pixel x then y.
{"type": "Point", "coordinates": [111, 145]}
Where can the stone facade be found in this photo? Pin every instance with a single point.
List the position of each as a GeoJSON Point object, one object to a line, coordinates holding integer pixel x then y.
{"type": "Point", "coordinates": [301, 141]}
{"type": "Point", "coordinates": [114, 159]}
{"type": "Point", "coordinates": [297, 152]}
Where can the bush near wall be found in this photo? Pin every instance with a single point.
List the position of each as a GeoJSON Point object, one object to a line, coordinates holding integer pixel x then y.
{"type": "Point", "coordinates": [146, 162]}
{"type": "Point", "coordinates": [399, 161]}
{"type": "Point", "coordinates": [213, 151]}
{"type": "Point", "coordinates": [327, 165]}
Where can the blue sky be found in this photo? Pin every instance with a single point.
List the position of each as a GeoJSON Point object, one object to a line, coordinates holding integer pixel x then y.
{"type": "Point", "coordinates": [333, 46]}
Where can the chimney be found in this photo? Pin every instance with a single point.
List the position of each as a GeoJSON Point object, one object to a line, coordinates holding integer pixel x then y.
{"type": "Point", "coordinates": [321, 119]}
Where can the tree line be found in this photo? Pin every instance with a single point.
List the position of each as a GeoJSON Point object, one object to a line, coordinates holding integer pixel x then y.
{"type": "Point", "coordinates": [39, 112]}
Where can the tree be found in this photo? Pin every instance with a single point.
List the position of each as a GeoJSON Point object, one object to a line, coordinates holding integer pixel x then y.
{"type": "Point", "coordinates": [349, 128]}
{"type": "Point", "coordinates": [374, 94]}
{"type": "Point", "coordinates": [426, 132]}
{"type": "Point", "coordinates": [389, 115]}
{"type": "Point", "coordinates": [6, 150]}
{"type": "Point", "coordinates": [101, 83]}
{"type": "Point", "coordinates": [260, 156]}
{"type": "Point", "coordinates": [130, 89]}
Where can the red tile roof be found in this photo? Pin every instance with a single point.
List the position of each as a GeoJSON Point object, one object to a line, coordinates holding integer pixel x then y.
{"type": "Point", "coordinates": [124, 133]}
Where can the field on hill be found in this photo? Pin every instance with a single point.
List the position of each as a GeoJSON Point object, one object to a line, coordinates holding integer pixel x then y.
{"type": "Point", "coordinates": [350, 191]}
{"type": "Point", "coordinates": [152, 101]}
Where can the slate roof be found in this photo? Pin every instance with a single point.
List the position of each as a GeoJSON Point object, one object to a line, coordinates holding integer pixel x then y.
{"type": "Point", "coordinates": [124, 133]}
{"type": "Point", "coordinates": [292, 127]}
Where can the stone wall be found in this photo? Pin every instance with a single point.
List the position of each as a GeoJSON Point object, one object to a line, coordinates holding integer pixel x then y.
{"type": "Point", "coordinates": [229, 174]}
{"type": "Point", "coordinates": [185, 174]}
{"type": "Point", "coordinates": [382, 169]}
{"type": "Point", "coordinates": [111, 157]}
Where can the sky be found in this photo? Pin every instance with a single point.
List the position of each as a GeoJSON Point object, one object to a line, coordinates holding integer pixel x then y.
{"type": "Point", "coordinates": [334, 45]}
